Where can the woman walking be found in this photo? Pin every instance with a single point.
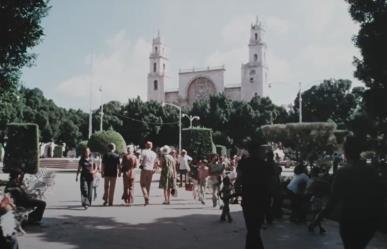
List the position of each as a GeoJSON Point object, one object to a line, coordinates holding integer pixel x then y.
{"type": "Point", "coordinates": [168, 173]}
{"type": "Point", "coordinates": [87, 169]}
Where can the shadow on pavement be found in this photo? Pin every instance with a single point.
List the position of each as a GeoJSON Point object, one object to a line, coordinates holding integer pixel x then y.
{"type": "Point", "coordinates": [189, 232]}
{"type": "Point", "coordinates": [200, 231]}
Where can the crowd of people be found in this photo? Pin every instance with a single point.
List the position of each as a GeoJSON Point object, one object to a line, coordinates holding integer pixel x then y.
{"type": "Point", "coordinates": [352, 196]}
{"type": "Point", "coordinates": [177, 170]}
{"type": "Point", "coordinates": [255, 177]}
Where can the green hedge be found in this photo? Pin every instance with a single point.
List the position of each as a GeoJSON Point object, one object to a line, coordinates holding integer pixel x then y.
{"type": "Point", "coordinates": [99, 141]}
{"type": "Point", "coordinates": [22, 150]}
{"type": "Point", "coordinates": [198, 142]}
{"type": "Point", "coordinates": [309, 139]}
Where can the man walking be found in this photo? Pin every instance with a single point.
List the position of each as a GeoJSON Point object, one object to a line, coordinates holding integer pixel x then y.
{"type": "Point", "coordinates": [128, 165]}
{"type": "Point", "coordinates": [110, 164]}
{"type": "Point", "coordinates": [148, 167]}
{"type": "Point", "coordinates": [252, 184]}
{"type": "Point", "coordinates": [184, 168]}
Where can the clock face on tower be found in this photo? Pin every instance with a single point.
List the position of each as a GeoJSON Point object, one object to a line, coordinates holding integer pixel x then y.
{"type": "Point", "coordinates": [252, 72]}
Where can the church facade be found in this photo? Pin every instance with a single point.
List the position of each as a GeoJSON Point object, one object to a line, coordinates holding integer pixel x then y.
{"type": "Point", "coordinates": [200, 83]}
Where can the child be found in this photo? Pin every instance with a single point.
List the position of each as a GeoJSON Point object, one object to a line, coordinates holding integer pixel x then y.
{"type": "Point", "coordinates": [225, 194]}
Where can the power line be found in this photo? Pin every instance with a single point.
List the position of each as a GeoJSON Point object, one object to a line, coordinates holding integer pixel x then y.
{"type": "Point", "coordinates": [147, 122]}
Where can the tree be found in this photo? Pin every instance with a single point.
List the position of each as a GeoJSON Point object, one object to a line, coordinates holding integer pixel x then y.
{"type": "Point", "coordinates": [20, 30]}
{"type": "Point", "coordinates": [309, 139]}
{"type": "Point", "coordinates": [30, 105]}
{"type": "Point", "coordinates": [332, 100]}
{"type": "Point", "coordinates": [142, 121]}
{"type": "Point", "coordinates": [234, 121]}
{"type": "Point", "coordinates": [111, 116]}
{"type": "Point", "coordinates": [371, 68]}
{"type": "Point", "coordinates": [69, 134]}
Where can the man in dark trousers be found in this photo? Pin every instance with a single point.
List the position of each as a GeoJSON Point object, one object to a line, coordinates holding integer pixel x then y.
{"type": "Point", "coordinates": [253, 182]}
{"type": "Point", "coordinates": [110, 165]}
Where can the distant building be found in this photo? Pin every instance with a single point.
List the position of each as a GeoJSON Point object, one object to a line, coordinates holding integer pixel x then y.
{"type": "Point", "coordinates": [200, 83]}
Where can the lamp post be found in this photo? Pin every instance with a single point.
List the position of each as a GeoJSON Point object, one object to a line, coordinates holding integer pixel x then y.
{"type": "Point", "coordinates": [299, 96]}
{"type": "Point", "coordinates": [273, 118]}
{"type": "Point", "coordinates": [101, 121]}
{"type": "Point", "coordinates": [300, 103]}
{"type": "Point", "coordinates": [179, 108]}
{"type": "Point", "coordinates": [191, 118]}
{"type": "Point", "coordinates": [90, 109]}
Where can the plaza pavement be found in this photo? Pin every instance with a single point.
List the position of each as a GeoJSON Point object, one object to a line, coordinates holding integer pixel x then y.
{"type": "Point", "coordinates": [184, 224]}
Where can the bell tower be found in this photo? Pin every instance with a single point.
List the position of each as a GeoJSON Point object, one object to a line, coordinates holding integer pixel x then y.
{"type": "Point", "coordinates": [157, 70]}
{"type": "Point", "coordinates": [254, 72]}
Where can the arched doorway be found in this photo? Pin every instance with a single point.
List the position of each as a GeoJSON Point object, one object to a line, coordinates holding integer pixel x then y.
{"type": "Point", "coordinates": [200, 88]}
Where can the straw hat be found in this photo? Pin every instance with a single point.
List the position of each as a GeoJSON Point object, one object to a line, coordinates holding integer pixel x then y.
{"type": "Point", "coordinates": [165, 150]}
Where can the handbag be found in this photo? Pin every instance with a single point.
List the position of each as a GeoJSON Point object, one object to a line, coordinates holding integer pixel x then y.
{"type": "Point", "coordinates": [189, 186]}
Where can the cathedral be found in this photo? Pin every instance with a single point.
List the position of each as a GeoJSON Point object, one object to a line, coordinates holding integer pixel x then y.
{"type": "Point", "coordinates": [200, 83]}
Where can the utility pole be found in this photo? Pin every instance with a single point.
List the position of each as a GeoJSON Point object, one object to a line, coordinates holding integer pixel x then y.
{"type": "Point", "coordinates": [300, 102]}
{"type": "Point", "coordinates": [179, 108]}
{"type": "Point", "coordinates": [90, 109]}
{"type": "Point", "coordinates": [191, 118]}
{"type": "Point", "coordinates": [101, 121]}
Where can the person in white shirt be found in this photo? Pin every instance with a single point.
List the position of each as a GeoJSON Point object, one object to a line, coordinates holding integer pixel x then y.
{"type": "Point", "coordinates": [184, 167]}
{"type": "Point", "coordinates": [297, 187]}
{"type": "Point", "coordinates": [148, 167]}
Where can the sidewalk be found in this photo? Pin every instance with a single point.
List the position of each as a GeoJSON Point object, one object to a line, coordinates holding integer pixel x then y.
{"type": "Point", "coordinates": [184, 224]}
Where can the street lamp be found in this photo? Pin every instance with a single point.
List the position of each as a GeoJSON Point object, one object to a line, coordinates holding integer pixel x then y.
{"type": "Point", "coordinates": [191, 118]}
{"type": "Point", "coordinates": [273, 113]}
{"type": "Point", "coordinates": [90, 109]}
{"type": "Point", "coordinates": [101, 125]}
{"type": "Point", "coordinates": [299, 96]}
{"type": "Point", "coordinates": [179, 108]}
{"type": "Point", "coordinates": [300, 102]}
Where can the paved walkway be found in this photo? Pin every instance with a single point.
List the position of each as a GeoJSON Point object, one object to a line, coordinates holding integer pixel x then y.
{"type": "Point", "coordinates": [183, 224]}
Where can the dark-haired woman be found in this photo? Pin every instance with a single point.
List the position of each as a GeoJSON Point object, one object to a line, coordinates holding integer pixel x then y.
{"type": "Point", "coordinates": [87, 169]}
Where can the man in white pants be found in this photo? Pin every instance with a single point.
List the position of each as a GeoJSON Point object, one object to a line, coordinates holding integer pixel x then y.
{"type": "Point", "coordinates": [184, 168]}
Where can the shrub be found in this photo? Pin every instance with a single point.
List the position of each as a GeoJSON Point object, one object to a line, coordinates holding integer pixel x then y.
{"type": "Point", "coordinates": [198, 142]}
{"type": "Point", "coordinates": [22, 150]}
{"type": "Point", "coordinates": [99, 141]}
{"type": "Point", "coordinates": [309, 139]}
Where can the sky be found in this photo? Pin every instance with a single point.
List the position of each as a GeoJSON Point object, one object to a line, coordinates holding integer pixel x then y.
{"type": "Point", "coordinates": [106, 44]}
